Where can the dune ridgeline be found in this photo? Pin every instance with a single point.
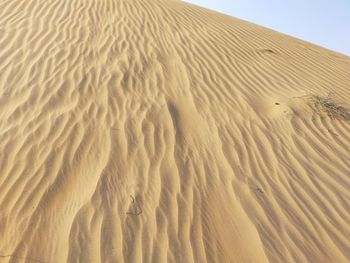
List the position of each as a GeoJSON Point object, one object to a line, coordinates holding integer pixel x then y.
{"type": "Point", "coordinates": [158, 131]}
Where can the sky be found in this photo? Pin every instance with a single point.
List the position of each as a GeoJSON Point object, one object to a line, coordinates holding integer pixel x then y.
{"type": "Point", "coordinates": [322, 22]}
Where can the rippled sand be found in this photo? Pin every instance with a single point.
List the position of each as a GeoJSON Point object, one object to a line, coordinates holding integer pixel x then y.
{"type": "Point", "coordinates": [158, 131]}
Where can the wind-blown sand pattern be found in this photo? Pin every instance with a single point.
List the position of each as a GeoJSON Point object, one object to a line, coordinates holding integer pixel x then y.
{"type": "Point", "coordinates": [158, 131]}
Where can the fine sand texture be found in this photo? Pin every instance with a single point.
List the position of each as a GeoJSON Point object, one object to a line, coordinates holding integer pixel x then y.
{"type": "Point", "coordinates": [159, 131]}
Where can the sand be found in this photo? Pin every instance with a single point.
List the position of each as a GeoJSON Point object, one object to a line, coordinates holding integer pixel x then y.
{"type": "Point", "coordinates": [158, 131]}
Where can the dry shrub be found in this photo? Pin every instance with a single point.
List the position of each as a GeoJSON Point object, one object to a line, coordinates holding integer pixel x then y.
{"type": "Point", "coordinates": [330, 107]}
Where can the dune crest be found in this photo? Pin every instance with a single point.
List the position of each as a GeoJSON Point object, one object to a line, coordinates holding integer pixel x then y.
{"type": "Point", "coordinates": [158, 131]}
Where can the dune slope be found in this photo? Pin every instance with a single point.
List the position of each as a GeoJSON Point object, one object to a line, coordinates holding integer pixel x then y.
{"type": "Point", "coordinates": [158, 131]}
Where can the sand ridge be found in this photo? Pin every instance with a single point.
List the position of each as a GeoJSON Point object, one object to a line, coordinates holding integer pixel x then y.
{"type": "Point", "coordinates": [159, 131]}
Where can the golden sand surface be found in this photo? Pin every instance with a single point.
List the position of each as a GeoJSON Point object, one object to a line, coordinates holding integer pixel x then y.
{"type": "Point", "coordinates": [159, 131]}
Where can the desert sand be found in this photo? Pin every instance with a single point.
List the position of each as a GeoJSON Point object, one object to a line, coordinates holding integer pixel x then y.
{"type": "Point", "coordinates": [159, 131]}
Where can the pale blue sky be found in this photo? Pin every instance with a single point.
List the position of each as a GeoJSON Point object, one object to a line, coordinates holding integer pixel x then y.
{"type": "Point", "coordinates": [322, 22]}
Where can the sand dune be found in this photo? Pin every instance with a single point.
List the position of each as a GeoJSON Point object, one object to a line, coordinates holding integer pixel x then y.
{"type": "Point", "coordinates": [158, 131]}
